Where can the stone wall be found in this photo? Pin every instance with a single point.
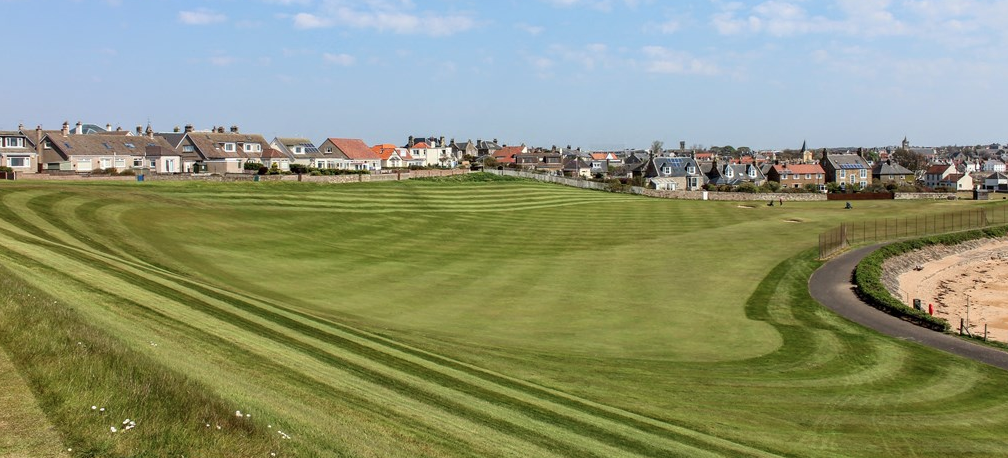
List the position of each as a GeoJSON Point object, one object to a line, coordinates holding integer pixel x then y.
{"type": "Point", "coordinates": [925, 196]}
{"type": "Point", "coordinates": [732, 196]}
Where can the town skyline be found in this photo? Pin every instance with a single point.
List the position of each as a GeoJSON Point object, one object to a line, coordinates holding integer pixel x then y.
{"type": "Point", "coordinates": [604, 75]}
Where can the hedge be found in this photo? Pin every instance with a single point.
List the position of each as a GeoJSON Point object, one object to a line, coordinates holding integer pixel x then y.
{"type": "Point", "coordinates": [868, 274]}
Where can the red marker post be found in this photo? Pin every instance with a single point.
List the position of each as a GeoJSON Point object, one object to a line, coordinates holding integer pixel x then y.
{"type": "Point", "coordinates": [931, 309]}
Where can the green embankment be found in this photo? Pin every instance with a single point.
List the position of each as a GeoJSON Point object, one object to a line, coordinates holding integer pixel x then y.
{"type": "Point", "coordinates": [463, 319]}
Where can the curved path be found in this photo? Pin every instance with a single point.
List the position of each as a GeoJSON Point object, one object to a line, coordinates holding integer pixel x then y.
{"type": "Point", "coordinates": [831, 286]}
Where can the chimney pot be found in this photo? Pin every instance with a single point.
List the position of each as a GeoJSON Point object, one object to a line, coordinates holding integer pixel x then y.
{"type": "Point", "coordinates": [234, 129]}
{"type": "Point", "coordinates": [66, 128]}
{"type": "Point", "coordinates": [79, 129]}
{"type": "Point", "coordinates": [139, 130]}
{"type": "Point", "coordinates": [188, 128]}
{"type": "Point", "coordinates": [176, 129]}
{"type": "Point", "coordinates": [108, 127]}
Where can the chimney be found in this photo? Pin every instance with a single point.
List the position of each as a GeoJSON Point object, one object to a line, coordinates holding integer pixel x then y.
{"type": "Point", "coordinates": [234, 129]}
{"type": "Point", "coordinates": [108, 127]}
{"type": "Point", "coordinates": [79, 130]}
{"type": "Point", "coordinates": [118, 128]}
{"type": "Point", "coordinates": [188, 128]}
{"type": "Point", "coordinates": [682, 145]}
{"type": "Point", "coordinates": [139, 130]}
{"type": "Point", "coordinates": [495, 141]}
{"type": "Point", "coordinates": [66, 128]}
{"type": "Point", "coordinates": [150, 131]}
{"type": "Point", "coordinates": [220, 130]}
{"type": "Point", "coordinates": [20, 127]}
{"type": "Point", "coordinates": [441, 142]}
{"type": "Point", "coordinates": [176, 129]}
{"type": "Point", "coordinates": [410, 143]}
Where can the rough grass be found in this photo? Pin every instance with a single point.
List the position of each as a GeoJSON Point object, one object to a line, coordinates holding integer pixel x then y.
{"type": "Point", "coordinates": [472, 319]}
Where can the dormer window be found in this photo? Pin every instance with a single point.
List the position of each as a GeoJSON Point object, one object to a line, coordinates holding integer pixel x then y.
{"type": "Point", "coordinates": [14, 142]}
{"type": "Point", "coordinates": [729, 172]}
{"type": "Point", "coordinates": [752, 171]}
{"type": "Point", "coordinates": [690, 169]}
{"type": "Point", "coordinates": [229, 147]}
{"type": "Point", "coordinates": [298, 150]}
{"type": "Point", "coordinates": [666, 170]}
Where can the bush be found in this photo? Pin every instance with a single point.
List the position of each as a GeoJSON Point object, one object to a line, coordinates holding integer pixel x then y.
{"type": "Point", "coordinates": [868, 275]}
{"type": "Point", "coordinates": [298, 168]}
{"type": "Point", "coordinates": [4, 168]}
{"type": "Point", "coordinates": [263, 170]}
{"type": "Point", "coordinates": [127, 172]}
{"type": "Point", "coordinates": [252, 165]}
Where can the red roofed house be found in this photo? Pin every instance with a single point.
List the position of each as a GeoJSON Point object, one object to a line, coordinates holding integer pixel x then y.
{"type": "Point", "coordinates": [390, 158]}
{"type": "Point", "coordinates": [356, 154]}
{"type": "Point", "coordinates": [938, 173]}
{"type": "Point", "coordinates": [798, 175]}
{"type": "Point", "coordinates": [508, 154]}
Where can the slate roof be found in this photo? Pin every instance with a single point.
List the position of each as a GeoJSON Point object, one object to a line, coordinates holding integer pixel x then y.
{"type": "Point", "coordinates": [287, 145]}
{"type": "Point", "coordinates": [208, 144]}
{"type": "Point", "coordinates": [676, 167]}
{"type": "Point", "coordinates": [885, 168]}
{"type": "Point", "coordinates": [847, 161]}
{"type": "Point", "coordinates": [101, 144]}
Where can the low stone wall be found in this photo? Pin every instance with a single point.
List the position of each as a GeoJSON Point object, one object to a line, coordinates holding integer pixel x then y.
{"type": "Point", "coordinates": [733, 196]}
{"type": "Point", "coordinates": [925, 196]}
{"type": "Point", "coordinates": [48, 177]}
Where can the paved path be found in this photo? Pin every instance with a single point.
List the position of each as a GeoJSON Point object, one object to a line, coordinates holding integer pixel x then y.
{"type": "Point", "coordinates": [832, 286]}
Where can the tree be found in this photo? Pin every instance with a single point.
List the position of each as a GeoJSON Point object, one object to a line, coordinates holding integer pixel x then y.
{"type": "Point", "coordinates": [657, 147]}
{"type": "Point", "coordinates": [909, 159]}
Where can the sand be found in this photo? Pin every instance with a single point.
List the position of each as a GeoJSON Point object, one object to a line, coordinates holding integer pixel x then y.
{"type": "Point", "coordinates": [976, 275]}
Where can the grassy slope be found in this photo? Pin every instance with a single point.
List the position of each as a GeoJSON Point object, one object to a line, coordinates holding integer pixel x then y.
{"type": "Point", "coordinates": [428, 319]}
{"type": "Point", "coordinates": [26, 431]}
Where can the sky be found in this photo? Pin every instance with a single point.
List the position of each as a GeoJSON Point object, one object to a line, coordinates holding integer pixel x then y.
{"type": "Point", "coordinates": [599, 74]}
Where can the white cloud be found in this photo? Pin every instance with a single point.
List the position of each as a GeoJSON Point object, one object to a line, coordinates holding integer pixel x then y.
{"type": "Point", "coordinates": [344, 60]}
{"type": "Point", "coordinates": [670, 26]}
{"type": "Point", "coordinates": [384, 16]}
{"type": "Point", "coordinates": [659, 59]}
{"type": "Point", "coordinates": [222, 61]}
{"type": "Point", "coordinates": [201, 16]}
{"type": "Point", "coordinates": [530, 29]}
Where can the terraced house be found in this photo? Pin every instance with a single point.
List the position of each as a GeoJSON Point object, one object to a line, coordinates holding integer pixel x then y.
{"type": "Point", "coordinates": [17, 151]}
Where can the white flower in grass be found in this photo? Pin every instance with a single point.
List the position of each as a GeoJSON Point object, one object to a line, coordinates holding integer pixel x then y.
{"type": "Point", "coordinates": [238, 413]}
{"type": "Point", "coordinates": [101, 409]}
{"type": "Point", "coordinates": [94, 407]}
{"type": "Point", "coordinates": [113, 429]}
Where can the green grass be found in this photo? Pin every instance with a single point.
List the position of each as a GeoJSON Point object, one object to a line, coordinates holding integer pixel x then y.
{"type": "Point", "coordinates": [465, 318]}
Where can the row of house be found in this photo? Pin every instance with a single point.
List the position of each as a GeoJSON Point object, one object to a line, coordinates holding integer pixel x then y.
{"type": "Point", "coordinates": [88, 147]}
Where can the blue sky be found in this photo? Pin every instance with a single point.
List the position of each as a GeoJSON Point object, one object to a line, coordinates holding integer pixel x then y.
{"type": "Point", "coordinates": [599, 74]}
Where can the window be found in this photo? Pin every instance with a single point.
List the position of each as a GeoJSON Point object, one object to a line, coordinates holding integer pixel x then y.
{"type": "Point", "coordinates": [247, 147]}
{"type": "Point", "coordinates": [15, 161]}
{"type": "Point", "coordinates": [252, 147]}
{"type": "Point", "coordinates": [864, 184]}
{"type": "Point", "coordinates": [819, 176]}
{"type": "Point", "coordinates": [47, 144]}
{"type": "Point", "coordinates": [14, 142]}
{"type": "Point", "coordinates": [691, 170]}
{"type": "Point", "coordinates": [843, 173]}
{"type": "Point", "coordinates": [229, 147]}
{"type": "Point", "coordinates": [106, 162]}
{"type": "Point", "coordinates": [130, 145]}
{"type": "Point", "coordinates": [298, 150]}
{"type": "Point", "coordinates": [120, 163]}
{"type": "Point", "coordinates": [153, 163]}
{"type": "Point", "coordinates": [188, 149]}
{"type": "Point", "coordinates": [137, 162]}
{"type": "Point", "coordinates": [666, 170]}
{"type": "Point", "coordinates": [864, 173]}
{"type": "Point", "coordinates": [328, 150]}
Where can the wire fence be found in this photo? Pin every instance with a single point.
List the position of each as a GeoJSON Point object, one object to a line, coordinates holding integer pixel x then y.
{"type": "Point", "coordinates": [884, 229]}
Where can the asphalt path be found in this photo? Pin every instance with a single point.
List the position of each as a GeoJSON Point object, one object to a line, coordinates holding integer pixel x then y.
{"type": "Point", "coordinates": [832, 286]}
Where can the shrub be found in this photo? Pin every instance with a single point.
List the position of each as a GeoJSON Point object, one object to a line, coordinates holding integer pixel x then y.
{"type": "Point", "coordinates": [4, 168]}
{"type": "Point", "coordinates": [127, 172]}
{"type": "Point", "coordinates": [263, 170]}
{"type": "Point", "coordinates": [252, 165]}
{"type": "Point", "coordinates": [298, 168]}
